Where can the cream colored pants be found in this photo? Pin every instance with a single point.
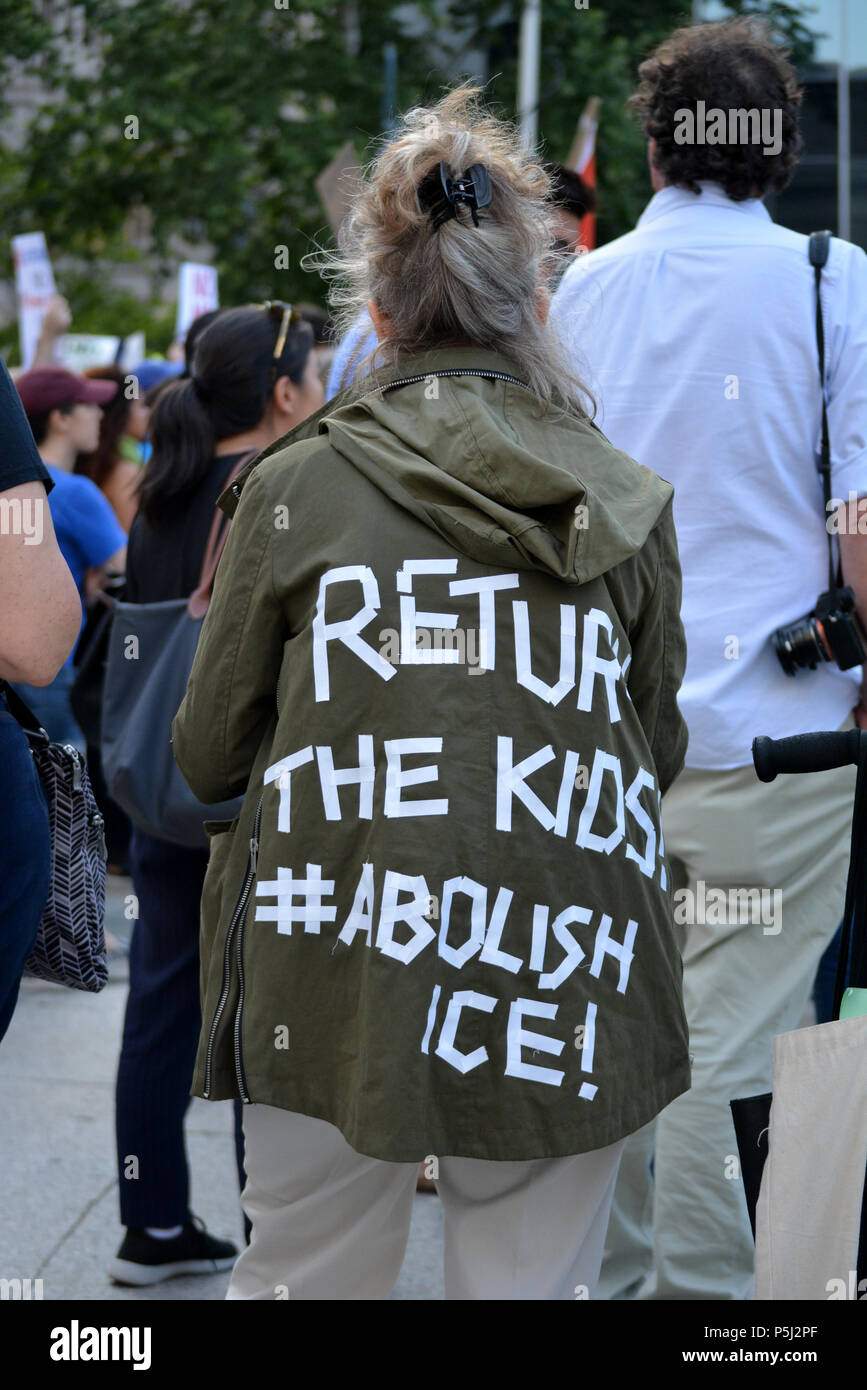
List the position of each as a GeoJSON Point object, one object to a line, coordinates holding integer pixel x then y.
{"type": "Point", "coordinates": [684, 1233]}
{"type": "Point", "coordinates": [330, 1224]}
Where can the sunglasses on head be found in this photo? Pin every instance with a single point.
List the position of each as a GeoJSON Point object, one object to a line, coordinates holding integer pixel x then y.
{"type": "Point", "coordinates": [285, 316]}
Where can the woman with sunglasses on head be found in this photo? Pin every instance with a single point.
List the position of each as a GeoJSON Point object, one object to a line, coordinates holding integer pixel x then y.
{"type": "Point", "coordinates": [254, 376]}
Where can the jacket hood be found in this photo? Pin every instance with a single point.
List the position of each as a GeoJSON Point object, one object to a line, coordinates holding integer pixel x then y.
{"type": "Point", "coordinates": [473, 458]}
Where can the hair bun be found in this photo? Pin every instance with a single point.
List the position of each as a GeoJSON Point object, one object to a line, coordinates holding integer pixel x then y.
{"type": "Point", "coordinates": [440, 192]}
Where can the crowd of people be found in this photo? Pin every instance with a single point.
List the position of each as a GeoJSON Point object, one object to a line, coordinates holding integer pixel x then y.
{"type": "Point", "coordinates": [603, 468]}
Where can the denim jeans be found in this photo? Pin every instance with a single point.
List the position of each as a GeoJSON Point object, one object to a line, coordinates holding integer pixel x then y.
{"type": "Point", "coordinates": [25, 858]}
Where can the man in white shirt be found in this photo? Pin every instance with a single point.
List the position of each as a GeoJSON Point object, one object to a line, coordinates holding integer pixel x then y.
{"type": "Point", "coordinates": [699, 331]}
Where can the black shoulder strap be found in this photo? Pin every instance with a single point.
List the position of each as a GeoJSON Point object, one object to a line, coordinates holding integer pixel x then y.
{"type": "Point", "coordinates": [852, 961]}
{"type": "Point", "coordinates": [818, 250]}
{"type": "Point", "coordinates": [23, 713]}
{"type": "Point", "coordinates": [820, 245]}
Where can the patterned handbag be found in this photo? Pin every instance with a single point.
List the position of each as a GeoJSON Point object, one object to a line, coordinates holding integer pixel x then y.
{"type": "Point", "coordinates": [70, 943]}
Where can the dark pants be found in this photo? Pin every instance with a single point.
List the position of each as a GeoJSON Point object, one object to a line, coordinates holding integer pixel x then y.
{"type": "Point", "coordinates": [160, 1035]}
{"type": "Point", "coordinates": [25, 858]}
{"type": "Point", "coordinates": [117, 823]}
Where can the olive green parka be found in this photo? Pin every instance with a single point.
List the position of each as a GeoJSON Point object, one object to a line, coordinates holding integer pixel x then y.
{"type": "Point", "coordinates": [441, 662]}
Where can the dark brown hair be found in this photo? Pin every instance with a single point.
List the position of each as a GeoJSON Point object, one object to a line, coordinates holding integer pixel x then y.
{"type": "Point", "coordinates": [101, 463]}
{"type": "Point", "coordinates": [735, 64]}
{"type": "Point", "coordinates": [233, 379]}
{"type": "Point", "coordinates": [40, 421]}
{"type": "Point", "coordinates": [568, 189]}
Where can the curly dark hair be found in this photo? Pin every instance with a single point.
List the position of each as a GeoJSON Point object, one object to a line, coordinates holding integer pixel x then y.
{"type": "Point", "coordinates": [734, 64]}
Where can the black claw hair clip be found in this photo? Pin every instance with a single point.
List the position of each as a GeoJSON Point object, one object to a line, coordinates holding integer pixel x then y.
{"type": "Point", "coordinates": [439, 192]}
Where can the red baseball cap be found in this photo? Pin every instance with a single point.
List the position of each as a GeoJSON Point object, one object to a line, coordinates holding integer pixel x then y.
{"type": "Point", "coordinates": [45, 388]}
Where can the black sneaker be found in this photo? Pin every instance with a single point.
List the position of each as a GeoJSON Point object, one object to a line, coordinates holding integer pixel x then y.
{"type": "Point", "coordinates": [143, 1259]}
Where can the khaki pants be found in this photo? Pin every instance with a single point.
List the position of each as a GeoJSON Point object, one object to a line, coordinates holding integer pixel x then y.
{"type": "Point", "coordinates": [331, 1224]}
{"type": "Point", "coordinates": [685, 1233]}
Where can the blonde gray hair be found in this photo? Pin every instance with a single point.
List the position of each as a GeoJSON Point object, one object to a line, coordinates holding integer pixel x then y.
{"type": "Point", "coordinates": [459, 282]}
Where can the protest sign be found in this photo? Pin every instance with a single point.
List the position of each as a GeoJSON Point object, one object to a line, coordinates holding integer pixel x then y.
{"type": "Point", "coordinates": [197, 294]}
{"type": "Point", "coordinates": [77, 351]}
{"type": "Point", "coordinates": [133, 351]}
{"type": "Point", "coordinates": [34, 286]}
{"type": "Point", "coordinates": [338, 183]}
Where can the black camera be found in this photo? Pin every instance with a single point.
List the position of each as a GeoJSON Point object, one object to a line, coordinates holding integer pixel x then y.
{"type": "Point", "coordinates": [831, 632]}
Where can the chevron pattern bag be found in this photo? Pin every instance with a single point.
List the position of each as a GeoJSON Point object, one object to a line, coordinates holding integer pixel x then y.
{"type": "Point", "coordinates": [70, 943]}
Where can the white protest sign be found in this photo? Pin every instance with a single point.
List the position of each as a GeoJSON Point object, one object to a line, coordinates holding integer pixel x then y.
{"type": "Point", "coordinates": [77, 351]}
{"type": "Point", "coordinates": [134, 350]}
{"type": "Point", "coordinates": [34, 285]}
{"type": "Point", "coordinates": [197, 294]}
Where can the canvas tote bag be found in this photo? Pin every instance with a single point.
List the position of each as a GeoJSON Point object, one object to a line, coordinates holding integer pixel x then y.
{"type": "Point", "coordinates": [810, 1214]}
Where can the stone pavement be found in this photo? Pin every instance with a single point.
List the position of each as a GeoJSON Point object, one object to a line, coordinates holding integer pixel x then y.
{"type": "Point", "coordinates": [58, 1198]}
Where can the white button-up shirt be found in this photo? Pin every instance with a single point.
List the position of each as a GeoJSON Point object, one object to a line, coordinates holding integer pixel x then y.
{"type": "Point", "coordinates": [697, 333]}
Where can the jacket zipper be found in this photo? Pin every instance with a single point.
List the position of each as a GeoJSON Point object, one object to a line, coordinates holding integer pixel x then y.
{"type": "Point", "coordinates": [451, 371]}
{"type": "Point", "coordinates": [237, 917]}
{"type": "Point", "coordinates": [239, 914]}
{"type": "Point", "coordinates": [245, 895]}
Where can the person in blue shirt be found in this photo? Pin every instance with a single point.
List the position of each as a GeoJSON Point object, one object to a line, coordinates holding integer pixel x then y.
{"type": "Point", "coordinates": [63, 412]}
{"type": "Point", "coordinates": [358, 342]}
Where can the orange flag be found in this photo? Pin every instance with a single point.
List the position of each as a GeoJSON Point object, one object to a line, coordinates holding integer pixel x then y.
{"type": "Point", "coordinates": [582, 158]}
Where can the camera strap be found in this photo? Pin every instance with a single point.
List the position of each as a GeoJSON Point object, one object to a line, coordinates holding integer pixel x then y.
{"type": "Point", "coordinates": [818, 250]}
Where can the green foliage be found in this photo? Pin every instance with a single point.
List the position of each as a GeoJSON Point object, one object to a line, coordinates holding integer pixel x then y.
{"type": "Point", "coordinates": [27, 34]}
{"type": "Point", "coordinates": [100, 307]}
{"type": "Point", "coordinates": [595, 52]}
{"type": "Point", "coordinates": [240, 104]}
{"type": "Point", "coordinates": [788, 20]}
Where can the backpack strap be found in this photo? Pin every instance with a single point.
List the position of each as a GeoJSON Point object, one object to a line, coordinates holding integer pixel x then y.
{"type": "Point", "coordinates": [200, 598]}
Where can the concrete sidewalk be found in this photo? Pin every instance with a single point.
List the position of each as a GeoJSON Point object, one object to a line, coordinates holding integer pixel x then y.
{"type": "Point", "coordinates": [59, 1217]}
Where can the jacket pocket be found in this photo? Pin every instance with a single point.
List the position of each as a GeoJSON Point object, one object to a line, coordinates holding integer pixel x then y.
{"type": "Point", "coordinates": [220, 827]}
{"type": "Point", "coordinates": [221, 837]}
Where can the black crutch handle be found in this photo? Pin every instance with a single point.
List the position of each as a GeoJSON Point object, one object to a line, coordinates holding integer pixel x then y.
{"type": "Point", "coordinates": [806, 753]}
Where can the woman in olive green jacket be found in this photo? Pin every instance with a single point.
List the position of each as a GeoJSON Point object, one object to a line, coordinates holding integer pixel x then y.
{"type": "Point", "coordinates": [442, 660]}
